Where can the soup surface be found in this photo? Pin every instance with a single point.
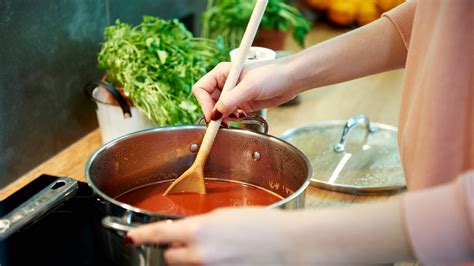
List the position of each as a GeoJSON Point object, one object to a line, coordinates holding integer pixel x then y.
{"type": "Point", "coordinates": [219, 193]}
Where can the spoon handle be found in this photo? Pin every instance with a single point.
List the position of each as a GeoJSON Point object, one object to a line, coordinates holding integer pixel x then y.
{"type": "Point", "coordinates": [233, 76]}
{"type": "Point", "coordinates": [247, 40]}
{"type": "Point", "coordinates": [207, 142]}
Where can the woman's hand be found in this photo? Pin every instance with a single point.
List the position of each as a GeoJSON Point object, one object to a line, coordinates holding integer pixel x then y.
{"type": "Point", "coordinates": [237, 236]}
{"type": "Point", "coordinates": [260, 236]}
{"type": "Point", "coordinates": [371, 49]}
{"type": "Point", "coordinates": [260, 85]}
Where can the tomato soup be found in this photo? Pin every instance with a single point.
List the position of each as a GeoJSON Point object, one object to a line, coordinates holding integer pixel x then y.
{"type": "Point", "coordinates": [219, 193]}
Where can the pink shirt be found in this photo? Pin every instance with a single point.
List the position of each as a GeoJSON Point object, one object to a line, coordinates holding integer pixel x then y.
{"type": "Point", "coordinates": [436, 129]}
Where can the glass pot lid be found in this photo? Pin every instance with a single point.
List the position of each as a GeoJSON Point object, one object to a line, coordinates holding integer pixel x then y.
{"type": "Point", "coordinates": [353, 156]}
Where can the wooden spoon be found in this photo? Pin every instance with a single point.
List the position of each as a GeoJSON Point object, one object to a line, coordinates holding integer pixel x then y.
{"type": "Point", "coordinates": [192, 180]}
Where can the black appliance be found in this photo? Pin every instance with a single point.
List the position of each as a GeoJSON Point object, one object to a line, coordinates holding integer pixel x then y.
{"type": "Point", "coordinates": [64, 235]}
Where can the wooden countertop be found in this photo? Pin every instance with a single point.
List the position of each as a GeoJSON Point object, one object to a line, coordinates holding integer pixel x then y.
{"type": "Point", "coordinates": [378, 96]}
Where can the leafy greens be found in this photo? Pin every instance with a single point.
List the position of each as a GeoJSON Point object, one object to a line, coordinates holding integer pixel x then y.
{"type": "Point", "coordinates": [156, 63]}
{"type": "Point", "coordinates": [229, 18]}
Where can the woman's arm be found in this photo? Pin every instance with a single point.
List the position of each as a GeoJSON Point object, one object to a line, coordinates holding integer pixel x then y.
{"type": "Point", "coordinates": [436, 225]}
{"type": "Point", "coordinates": [356, 235]}
{"type": "Point", "coordinates": [374, 48]}
{"type": "Point", "coordinates": [363, 234]}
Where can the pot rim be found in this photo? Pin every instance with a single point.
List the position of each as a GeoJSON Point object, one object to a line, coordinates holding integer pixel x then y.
{"type": "Point", "coordinates": [107, 145]}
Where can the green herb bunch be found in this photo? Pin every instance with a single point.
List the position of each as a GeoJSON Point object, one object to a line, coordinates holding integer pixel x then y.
{"type": "Point", "coordinates": [229, 18]}
{"type": "Point", "coordinates": [156, 63]}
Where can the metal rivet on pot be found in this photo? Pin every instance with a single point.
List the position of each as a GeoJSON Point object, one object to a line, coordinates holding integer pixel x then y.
{"type": "Point", "coordinates": [194, 147]}
{"type": "Point", "coordinates": [256, 155]}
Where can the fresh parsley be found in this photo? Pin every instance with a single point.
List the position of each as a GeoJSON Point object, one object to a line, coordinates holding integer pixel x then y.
{"type": "Point", "coordinates": [156, 63]}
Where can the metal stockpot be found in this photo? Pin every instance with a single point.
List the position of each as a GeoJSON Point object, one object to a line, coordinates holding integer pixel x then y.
{"type": "Point", "coordinates": [164, 153]}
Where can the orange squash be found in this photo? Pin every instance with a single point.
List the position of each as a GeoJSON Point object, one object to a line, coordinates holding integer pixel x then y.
{"type": "Point", "coordinates": [385, 5]}
{"type": "Point", "coordinates": [353, 12]}
{"type": "Point", "coordinates": [342, 12]}
{"type": "Point", "coordinates": [319, 4]}
{"type": "Point", "coordinates": [367, 13]}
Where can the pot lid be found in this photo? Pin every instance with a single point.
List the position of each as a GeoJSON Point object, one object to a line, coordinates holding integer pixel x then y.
{"type": "Point", "coordinates": [353, 156]}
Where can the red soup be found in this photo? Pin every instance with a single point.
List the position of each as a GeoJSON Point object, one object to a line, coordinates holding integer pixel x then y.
{"type": "Point", "coordinates": [219, 193]}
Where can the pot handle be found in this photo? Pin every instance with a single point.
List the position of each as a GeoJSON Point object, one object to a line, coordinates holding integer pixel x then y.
{"type": "Point", "coordinates": [42, 202]}
{"type": "Point", "coordinates": [118, 225]}
{"type": "Point", "coordinates": [91, 85]}
{"type": "Point", "coordinates": [121, 227]}
{"type": "Point", "coordinates": [352, 123]}
{"type": "Point", "coordinates": [252, 123]}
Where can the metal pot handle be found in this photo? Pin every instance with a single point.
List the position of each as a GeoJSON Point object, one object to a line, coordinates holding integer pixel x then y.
{"type": "Point", "coordinates": [352, 123]}
{"type": "Point", "coordinates": [121, 227]}
{"type": "Point", "coordinates": [91, 85]}
{"type": "Point", "coordinates": [41, 203]}
{"type": "Point", "coordinates": [252, 123]}
{"type": "Point", "coordinates": [118, 225]}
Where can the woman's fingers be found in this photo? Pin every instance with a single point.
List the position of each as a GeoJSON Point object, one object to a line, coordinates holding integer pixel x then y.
{"type": "Point", "coordinates": [241, 93]}
{"type": "Point", "coordinates": [207, 89]}
{"type": "Point", "coordinates": [205, 100]}
{"type": "Point", "coordinates": [183, 256]}
{"type": "Point", "coordinates": [256, 105]}
{"type": "Point", "coordinates": [246, 97]}
{"type": "Point", "coordinates": [215, 78]}
{"type": "Point", "coordinates": [162, 233]}
{"type": "Point", "coordinates": [178, 234]}
{"type": "Point", "coordinates": [260, 86]}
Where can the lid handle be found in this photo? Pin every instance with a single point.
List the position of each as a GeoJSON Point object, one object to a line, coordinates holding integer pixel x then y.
{"type": "Point", "coordinates": [352, 123]}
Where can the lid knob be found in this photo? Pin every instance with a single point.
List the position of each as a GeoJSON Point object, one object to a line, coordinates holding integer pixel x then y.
{"type": "Point", "coordinates": [351, 124]}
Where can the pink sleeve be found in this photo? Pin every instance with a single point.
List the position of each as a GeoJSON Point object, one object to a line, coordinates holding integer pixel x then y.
{"type": "Point", "coordinates": [402, 17]}
{"type": "Point", "coordinates": [440, 222]}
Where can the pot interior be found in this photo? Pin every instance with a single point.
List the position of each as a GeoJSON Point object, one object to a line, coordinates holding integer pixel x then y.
{"type": "Point", "coordinates": [165, 153]}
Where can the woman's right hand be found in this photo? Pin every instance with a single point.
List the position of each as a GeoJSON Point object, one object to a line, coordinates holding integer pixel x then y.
{"type": "Point", "coordinates": [260, 85]}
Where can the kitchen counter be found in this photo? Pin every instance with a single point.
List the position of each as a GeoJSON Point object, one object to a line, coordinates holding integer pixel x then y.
{"type": "Point", "coordinates": [378, 96]}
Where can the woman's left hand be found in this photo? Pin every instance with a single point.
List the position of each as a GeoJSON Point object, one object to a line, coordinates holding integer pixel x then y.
{"type": "Point", "coordinates": [362, 234]}
{"type": "Point", "coordinates": [238, 236]}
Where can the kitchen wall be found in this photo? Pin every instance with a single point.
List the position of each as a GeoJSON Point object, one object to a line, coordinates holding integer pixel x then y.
{"type": "Point", "coordinates": [48, 52]}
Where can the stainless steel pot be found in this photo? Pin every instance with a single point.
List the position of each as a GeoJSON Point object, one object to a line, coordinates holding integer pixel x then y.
{"type": "Point", "coordinates": [164, 153]}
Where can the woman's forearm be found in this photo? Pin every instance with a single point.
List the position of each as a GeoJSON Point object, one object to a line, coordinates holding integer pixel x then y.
{"type": "Point", "coordinates": [374, 48]}
{"type": "Point", "coordinates": [362, 234]}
